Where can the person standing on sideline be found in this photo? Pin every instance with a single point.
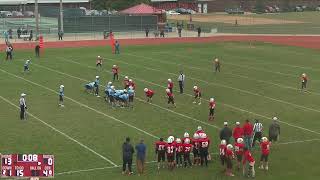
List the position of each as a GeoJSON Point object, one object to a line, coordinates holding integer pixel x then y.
{"type": "Point", "coordinates": [274, 130]}
{"type": "Point", "coordinates": [257, 130]}
{"type": "Point", "coordinates": [179, 30]}
{"type": "Point", "coordinates": [31, 35]}
{"type": "Point", "coordinates": [247, 133]}
{"type": "Point", "coordinates": [217, 65]}
{"type": "Point", "coordinates": [127, 153]}
{"type": "Point", "coordinates": [181, 79]}
{"type": "Point", "coordinates": [23, 106]}
{"type": "Point", "coordinates": [37, 50]}
{"type": "Point", "coordinates": [141, 156]}
{"type": "Point", "coordinates": [9, 50]}
{"type": "Point", "coordinates": [117, 46]}
{"type": "Point", "coordinates": [199, 31]}
{"type": "Point", "coordinates": [60, 34]}
{"type": "Point", "coordinates": [226, 133]}
{"type": "Point", "coordinates": [237, 132]}
{"type": "Point", "coordinates": [61, 94]}
{"type": "Point", "coordinates": [147, 31]}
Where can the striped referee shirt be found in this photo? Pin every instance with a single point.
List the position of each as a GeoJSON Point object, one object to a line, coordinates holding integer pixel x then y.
{"type": "Point", "coordinates": [22, 102]}
{"type": "Point", "coordinates": [181, 77]}
{"type": "Point", "coordinates": [257, 127]}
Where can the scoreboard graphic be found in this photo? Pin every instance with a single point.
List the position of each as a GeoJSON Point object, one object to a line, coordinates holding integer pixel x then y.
{"type": "Point", "coordinates": [27, 165]}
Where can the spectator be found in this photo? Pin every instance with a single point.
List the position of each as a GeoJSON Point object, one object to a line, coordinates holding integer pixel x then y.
{"type": "Point", "coordinates": [199, 31]}
{"type": "Point", "coordinates": [237, 132]}
{"type": "Point", "coordinates": [37, 50]}
{"type": "Point", "coordinates": [127, 152]}
{"type": "Point", "coordinates": [141, 156]}
{"type": "Point", "coordinates": [162, 33]}
{"type": "Point", "coordinates": [31, 35]}
{"type": "Point", "coordinates": [60, 34]}
{"type": "Point", "coordinates": [247, 132]}
{"type": "Point", "coordinates": [6, 36]}
{"type": "Point", "coordinates": [19, 32]}
{"type": "Point", "coordinates": [147, 31]}
{"type": "Point", "coordinates": [274, 130]}
{"type": "Point", "coordinates": [10, 33]}
{"type": "Point", "coordinates": [9, 50]}
{"type": "Point", "coordinates": [179, 30]}
{"type": "Point", "coordinates": [117, 46]}
{"type": "Point", "coordinates": [257, 129]}
{"type": "Point", "coordinates": [225, 133]}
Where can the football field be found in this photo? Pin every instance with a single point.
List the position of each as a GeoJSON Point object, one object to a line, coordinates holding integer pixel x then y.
{"type": "Point", "coordinates": [257, 81]}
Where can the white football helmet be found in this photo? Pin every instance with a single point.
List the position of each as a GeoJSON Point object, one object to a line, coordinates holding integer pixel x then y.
{"type": "Point", "coordinates": [169, 80]}
{"type": "Point", "coordinates": [145, 89]}
{"type": "Point", "coordinates": [196, 136]}
{"type": "Point", "coordinates": [125, 90]}
{"type": "Point", "coordinates": [274, 118]}
{"type": "Point", "coordinates": [304, 74]}
{"type": "Point", "coordinates": [187, 141]}
{"type": "Point", "coordinates": [229, 146]}
{"type": "Point", "coordinates": [216, 60]}
{"type": "Point", "coordinates": [130, 80]}
{"type": "Point", "coordinates": [23, 95]}
{"type": "Point", "coordinates": [61, 86]}
{"type": "Point", "coordinates": [211, 99]}
{"type": "Point", "coordinates": [112, 87]}
{"type": "Point", "coordinates": [203, 135]}
{"type": "Point", "coordinates": [109, 83]}
{"type": "Point", "coordinates": [178, 140]}
{"type": "Point", "coordinates": [97, 77]}
{"type": "Point", "coordinates": [186, 135]}
{"type": "Point", "coordinates": [167, 90]}
{"type": "Point", "coordinates": [264, 139]}
{"type": "Point", "coordinates": [99, 56]}
{"type": "Point", "coordinates": [237, 123]}
{"type": "Point", "coordinates": [170, 139]}
{"type": "Point", "coordinates": [195, 87]}
{"type": "Point", "coordinates": [199, 128]}
{"type": "Point", "coordinates": [28, 60]}
{"type": "Point", "coordinates": [240, 140]}
{"type": "Point", "coordinates": [224, 142]}
{"type": "Point", "coordinates": [126, 77]}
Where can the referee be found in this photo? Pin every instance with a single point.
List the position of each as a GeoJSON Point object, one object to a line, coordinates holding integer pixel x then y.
{"type": "Point", "coordinates": [181, 79]}
{"type": "Point", "coordinates": [23, 106]}
{"type": "Point", "coordinates": [257, 130]}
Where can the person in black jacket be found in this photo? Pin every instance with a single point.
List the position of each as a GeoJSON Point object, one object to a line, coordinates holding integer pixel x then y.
{"type": "Point", "coordinates": [37, 50]}
{"type": "Point", "coordinates": [226, 133]}
{"type": "Point", "coordinates": [127, 151]}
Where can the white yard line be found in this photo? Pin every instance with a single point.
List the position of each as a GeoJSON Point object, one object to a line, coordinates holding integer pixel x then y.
{"type": "Point", "coordinates": [62, 133]}
{"type": "Point", "coordinates": [225, 86]}
{"type": "Point", "coordinates": [150, 162]}
{"type": "Point", "coordinates": [227, 105]}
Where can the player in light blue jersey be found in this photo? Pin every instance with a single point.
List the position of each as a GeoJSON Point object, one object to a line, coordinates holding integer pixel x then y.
{"type": "Point", "coordinates": [124, 98]}
{"type": "Point", "coordinates": [131, 94]}
{"type": "Point", "coordinates": [89, 87]}
{"type": "Point", "coordinates": [96, 85]}
{"type": "Point", "coordinates": [61, 94]}
{"type": "Point", "coordinates": [26, 65]}
{"type": "Point", "coordinates": [106, 91]}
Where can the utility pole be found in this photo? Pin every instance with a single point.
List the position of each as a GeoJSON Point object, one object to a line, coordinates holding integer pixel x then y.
{"type": "Point", "coordinates": [36, 14]}
{"type": "Point", "coordinates": [61, 16]}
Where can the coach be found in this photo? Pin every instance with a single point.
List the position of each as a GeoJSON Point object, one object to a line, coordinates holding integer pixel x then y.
{"type": "Point", "coordinates": [127, 152]}
{"type": "Point", "coordinates": [225, 133]}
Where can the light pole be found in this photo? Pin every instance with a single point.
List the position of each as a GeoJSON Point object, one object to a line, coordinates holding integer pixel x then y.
{"type": "Point", "coordinates": [36, 13]}
{"type": "Point", "coordinates": [61, 16]}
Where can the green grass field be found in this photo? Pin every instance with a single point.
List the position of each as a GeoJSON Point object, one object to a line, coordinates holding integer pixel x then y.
{"type": "Point", "coordinates": [257, 81]}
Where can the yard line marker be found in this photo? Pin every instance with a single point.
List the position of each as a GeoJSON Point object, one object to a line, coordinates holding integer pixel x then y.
{"type": "Point", "coordinates": [227, 105]}
{"type": "Point", "coordinates": [139, 99]}
{"type": "Point", "coordinates": [81, 104]}
{"type": "Point", "coordinates": [150, 162]}
{"type": "Point", "coordinates": [226, 86]}
{"type": "Point", "coordinates": [62, 133]}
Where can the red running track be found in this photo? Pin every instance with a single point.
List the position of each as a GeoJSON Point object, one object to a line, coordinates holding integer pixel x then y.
{"type": "Point", "coordinates": [312, 42]}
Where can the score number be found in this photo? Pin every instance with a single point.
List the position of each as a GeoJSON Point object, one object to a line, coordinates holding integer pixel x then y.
{"type": "Point", "coordinates": [7, 161]}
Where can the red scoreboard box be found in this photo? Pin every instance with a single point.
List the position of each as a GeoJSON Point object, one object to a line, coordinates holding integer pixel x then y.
{"type": "Point", "coordinates": [27, 165]}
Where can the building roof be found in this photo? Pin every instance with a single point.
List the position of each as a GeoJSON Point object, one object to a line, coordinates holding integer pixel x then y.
{"type": "Point", "coordinates": [14, 2]}
{"type": "Point", "coordinates": [142, 9]}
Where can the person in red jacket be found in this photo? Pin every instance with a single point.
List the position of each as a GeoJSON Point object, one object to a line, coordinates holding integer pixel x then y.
{"type": "Point", "coordinates": [237, 132]}
{"type": "Point", "coordinates": [247, 157]}
{"type": "Point", "coordinates": [265, 150]}
{"type": "Point", "coordinates": [247, 133]}
{"type": "Point", "coordinates": [149, 94]}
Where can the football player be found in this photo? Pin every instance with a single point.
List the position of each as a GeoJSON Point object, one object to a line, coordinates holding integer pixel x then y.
{"type": "Point", "coordinates": [61, 94]}
{"type": "Point", "coordinates": [265, 150]}
{"type": "Point", "coordinates": [106, 90]}
{"type": "Point", "coordinates": [197, 95]}
{"type": "Point", "coordinates": [196, 149]}
{"type": "Point", "coordinates": [170, 85]}
{"type": "Point", "coordinates": [229, 158]}
{"type": "Point", "coordinates": [247, 157]}
{"type": "Point", "coordinates": [115, 72]}
{"type": "Point", "coordinates": [124, 98]}
{"type": "Point", "coordinates": [99, 61]}
{"type": "Point", "coordinates": [161, 152]}
{"type": "Point", "coordinates": [187, 148]}
{"type": "Point", "coordinates": [149, 94]}
{"type": "Point", "coordinates": [217, 65]}
{"type": "Point", "coordinates": [131, 94]}
{"type": "Point", "coordinates": [238, 149]}
{"type": "Point", "coordinates": [222, 152]}
{"type": "Point", "coordinates": [26, 65]}
{"type": "Point", "coordinates": [204, 144]}
{"type": "Point", "coordinates": [132, 84]}
{"type": "Point", "coordinates": [304, 80]}
{"type": "Point", "coordinates": [126, 82]}
{"type": "Point", "coordinates": [170, 97]}
{"type": "Point", "coordinates": [185, 137]}
{"type": "Point", "coordinates": [89, 87]}
{"type": "Point", "coordinates": [212, 106]}
{"type": "Point", "coordinates": [170, 152]}
{"type": "Point", "coordinates": [96, 85]}
{"type": "Point", "coordinates": [179, 152]}
{"type": "Point", "coordinates": [237, 132]}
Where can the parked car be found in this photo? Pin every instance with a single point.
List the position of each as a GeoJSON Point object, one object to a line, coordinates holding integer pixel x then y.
{"type": "Point", "coordinates": [300, 8]}
{"type": "Point", "coordinates": [269, 9]}
{"type": "Point", "coordinates": [6, 14]}
{"type": "Point", "coordinates": [172, 12]}
{"type": "Point", "coordinates": [277, 9]}
{"type": "Point", "coordinates": [182, 11]}
{"type": "Point", "coordinates": [234, 11]}
{"type": "Point", "coordinates": [28, 14]}
{"type": "Point", "coordinates": [17, 14]}
{"type": "Point", "coordinates": [318, 8]}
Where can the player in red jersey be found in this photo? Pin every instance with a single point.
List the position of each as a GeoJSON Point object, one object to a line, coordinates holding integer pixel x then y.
{"type": "Point", "coordinates": [170, 151]}
{"type": "Point", "coordinates": [304, 80]}
{"type": "Point", "coordinates": [222, 151]}
{"type": "Point", "coordinates": [199, 130]}
{"type": "Point", "coordinates": [179, 152]}
{"type": "Point", "coordinates": [131, 83]}
{"type": "Point", "coordinates": [196, 149]}
{"type": "Point", "coordinates": [247, 157]}
{"type": "Point", "coordinates": [237, 132]}
{"type": "Point", "coordinates": [187, 148]}
{"type": "Point", "coordinates": [229, 158]}
{"type": "Point", "coordinates": [149, 94]}
{"type": "Point", "coordinates": [185, 137]}
{"type": "Point", "coordinates": [238, 149]}
{"type": "Point", "coordinates": [126, 82]}
{"type": "Point", "coordinates": [170, 85]}
{"type": "Point", "coordinates": [170, 97]}
{"type": "Point", "coordinates": [197, 95]}
{"type": "Point", "coordinates": [265, 150]}
{"type": "Point", "coordinates": [99, 61]}
{"type": "Point", "coordinates": [212, 105]}
{"type": "Point", "coordinates": [204, 148]}
{"type": "Point", "coordinates": [115, 72]}
{"type": "Point", "coordinates": [161, 152]}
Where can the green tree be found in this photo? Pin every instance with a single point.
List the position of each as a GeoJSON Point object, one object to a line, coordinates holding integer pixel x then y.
{"type": "Point", "coordinates": [260, 6]}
